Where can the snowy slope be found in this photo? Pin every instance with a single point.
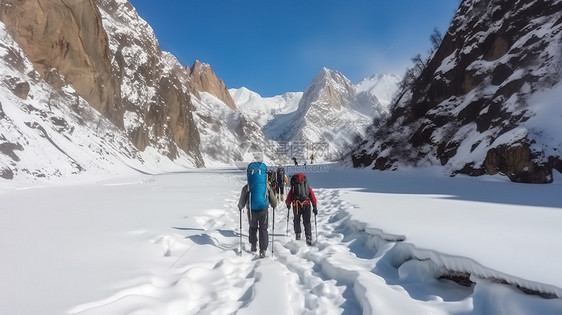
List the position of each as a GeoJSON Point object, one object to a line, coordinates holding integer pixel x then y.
{"type": "Point", "coordinates": [227, 135]}
{"type": "Point", "coordinates": [263, 109]}
{"type": "Point", "coordinates": [382, 86]}
{"type": "Point", "coordinates": [388, 243]}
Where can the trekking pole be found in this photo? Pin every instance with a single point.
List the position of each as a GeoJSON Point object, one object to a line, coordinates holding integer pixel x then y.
{"type": "Point", "coordinates": [273, 233]}
{"type": "Point", "coordinates": [287, 232]}
{"type": "Point", "coordinates": [316, 228]}
{"type": "Point", "coordinates": [240, 244]}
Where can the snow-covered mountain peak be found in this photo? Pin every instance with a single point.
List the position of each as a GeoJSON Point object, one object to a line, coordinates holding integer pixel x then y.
{"type": "Point", "coordinates": [330, 89]}
{"type": "Point", "coordinates": [330, 114]}
{"type": "Point", "coordinates": [383, 86]}
{"type": "Point", "coordinates": [263, 109]}
{"type": "Point", "coordinates": [326, 75]}
{"type": "Point", "coordinates": [330, 77]}
{"type": "Point", "coordinates": [244, 95]}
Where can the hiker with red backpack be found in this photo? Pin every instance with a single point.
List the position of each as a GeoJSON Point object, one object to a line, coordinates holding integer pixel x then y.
{"type": "Point", "coordinates": [301, 197]}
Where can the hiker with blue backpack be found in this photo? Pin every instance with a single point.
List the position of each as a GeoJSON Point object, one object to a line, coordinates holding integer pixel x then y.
{"type": "Point", "coordinates": [301, 197]}
{"type": "Point", "coordinates": [256, 196]}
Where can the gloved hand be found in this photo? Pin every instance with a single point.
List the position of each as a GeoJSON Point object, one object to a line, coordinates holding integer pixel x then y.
{"type": "Point", "coordinates": [289, 207]}
{"type": "Point", "coordinates": [315, 210]}
{"type": "Point", "coordinates": [240, 209]}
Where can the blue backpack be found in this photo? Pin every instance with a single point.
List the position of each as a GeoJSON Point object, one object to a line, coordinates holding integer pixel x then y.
{"type": "Point", "coordinates": [257, 185]}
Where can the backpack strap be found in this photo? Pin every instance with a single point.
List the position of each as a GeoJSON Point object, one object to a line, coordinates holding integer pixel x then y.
{"type": "Point", "coordinates": [298, 205]}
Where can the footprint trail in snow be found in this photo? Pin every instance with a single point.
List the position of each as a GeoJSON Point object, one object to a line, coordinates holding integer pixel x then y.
{"type": "Point", "coordinates": [347, 270]}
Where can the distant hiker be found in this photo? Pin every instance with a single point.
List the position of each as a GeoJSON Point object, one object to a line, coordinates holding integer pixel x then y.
{"type": "Point", "coordinates": [300, 197]}
{"type": "Point", "coordinates": [295, 160]}
{"type": "Point", "coordinates": [312, 158]}
{"type": "Point", "coordinates": [272, 181]}
{"type": "Point", "coordinates": [256, 196]}
{"type": "Point", "coordinates": [281, 181]}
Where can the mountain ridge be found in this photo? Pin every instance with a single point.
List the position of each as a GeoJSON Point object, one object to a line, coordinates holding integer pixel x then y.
{"type": "Point", "coordinates": [323, 115]}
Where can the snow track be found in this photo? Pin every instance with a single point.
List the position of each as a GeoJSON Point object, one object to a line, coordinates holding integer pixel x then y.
{"type": "Point", "coordinates": [350, 269]}
{"type": "Point", "coordinates": [330, 277]}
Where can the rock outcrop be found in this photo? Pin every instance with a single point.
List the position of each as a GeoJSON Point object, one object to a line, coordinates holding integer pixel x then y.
{"type": "Point", "coordinates": [66, 42]}
{"type": "Point", "coordinates": [203, 79]}
{"type": "Point", "coordinates": [111, 58]}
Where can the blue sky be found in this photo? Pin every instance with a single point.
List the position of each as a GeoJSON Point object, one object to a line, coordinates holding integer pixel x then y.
{"type": "Point", "coordinates": [278, 46]}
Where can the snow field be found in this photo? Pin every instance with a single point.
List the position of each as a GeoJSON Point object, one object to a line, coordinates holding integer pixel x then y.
{"type": "Point", "coordinates": [169, 244]}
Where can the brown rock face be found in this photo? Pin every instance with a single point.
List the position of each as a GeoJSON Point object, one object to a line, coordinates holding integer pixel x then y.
{"type": "Point", "coordinates": [156, 102]}
{"type": "Point", "coordinates": [112, 59]}
{"type": "Point", "coordinates": [66, 38]}
{"type": "Point", "coordinates": [517, 162]}
{"type": "Point", "coordinates": [204, 79]}
{"type": "Point", "coordinates": [170, 118]}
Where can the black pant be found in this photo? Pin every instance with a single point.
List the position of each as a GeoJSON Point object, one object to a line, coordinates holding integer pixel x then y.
{"type": "Point", "coordinates": [280, 189]}
{"type": "Point", "coordinates": [258, 220]}
{"type": "Point", "coordinates": [303, 211]}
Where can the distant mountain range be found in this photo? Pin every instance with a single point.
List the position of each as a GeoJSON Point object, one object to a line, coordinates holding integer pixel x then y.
{"type": "Point", "coordinates": [85, 91]}
{"type": "Point", "coordinates": [329, 115]}
{"type": "Point", "coordinates": [325, 120]}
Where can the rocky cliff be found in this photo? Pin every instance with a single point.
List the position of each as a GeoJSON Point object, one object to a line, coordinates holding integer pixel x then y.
{"type": "Point", "coordinates": [155, 97]}
{"type": "Point", "coordinates": [472, 108]}
{"type": "Point", "coordinates": [203, 79]}
{"type": "Point", "coordinates": [50, 133]}
{"type": "Point", "coordinates": [112, 59]}
{"type": "Point", "coordinates": [66, 43]}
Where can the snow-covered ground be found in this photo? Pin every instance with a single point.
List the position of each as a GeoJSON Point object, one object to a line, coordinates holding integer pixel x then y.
{"type": "Point", "coordinates": [388, 243]}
